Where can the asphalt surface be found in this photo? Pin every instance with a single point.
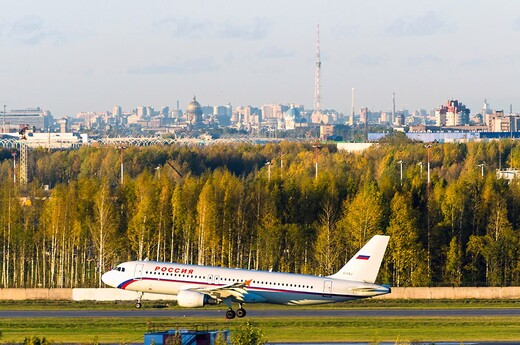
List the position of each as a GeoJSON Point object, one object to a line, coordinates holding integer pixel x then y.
{"type": "Point", "coordinates": [283, 312]}
{"type": "Point", "coordinates": [286, 312]}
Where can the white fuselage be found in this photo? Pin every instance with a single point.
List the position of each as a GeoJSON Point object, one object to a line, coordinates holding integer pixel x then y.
{"type": "Point", "coordinates": [266, 287]}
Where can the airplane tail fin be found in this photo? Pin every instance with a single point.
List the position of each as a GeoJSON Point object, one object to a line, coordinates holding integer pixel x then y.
{"type": "Point", "coordinates": [364, 266]}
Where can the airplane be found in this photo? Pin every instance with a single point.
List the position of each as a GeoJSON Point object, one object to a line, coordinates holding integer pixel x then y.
{"type": "Point", "coordinates": [198, 286]}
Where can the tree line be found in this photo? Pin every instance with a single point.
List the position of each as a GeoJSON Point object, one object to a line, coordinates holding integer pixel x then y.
{"type": "Point", "coordinates": [223, 205]}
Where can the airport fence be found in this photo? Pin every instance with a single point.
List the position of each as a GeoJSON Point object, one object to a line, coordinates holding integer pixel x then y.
{"type": "Point", "coordinates": [109, 294]}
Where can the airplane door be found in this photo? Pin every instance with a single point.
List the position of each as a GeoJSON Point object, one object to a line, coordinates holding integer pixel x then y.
{"type": "Point", "coordinates": [213, 279]}
{"type": "Point", "coordinates": [138, 274]}
{"type": "Point", "coordinates": [327, 288]}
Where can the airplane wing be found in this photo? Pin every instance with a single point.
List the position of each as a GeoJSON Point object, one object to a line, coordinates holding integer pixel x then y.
{"type": "Point", "coordinates": [235, 290]}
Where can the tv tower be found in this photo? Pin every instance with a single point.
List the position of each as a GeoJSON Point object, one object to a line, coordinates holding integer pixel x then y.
{"type": "Point", "coordinates": [316, 115]}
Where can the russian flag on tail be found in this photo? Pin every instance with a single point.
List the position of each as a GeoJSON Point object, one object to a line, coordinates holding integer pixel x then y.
{"type": "Point", "coordinates": [363, 257]}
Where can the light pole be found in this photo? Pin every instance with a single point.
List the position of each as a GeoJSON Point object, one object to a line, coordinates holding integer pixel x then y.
{"type": "Point", "coordinates": [428, 147]}
{"type": "Point", "coordinates": [401, 164]}
{"type": "Point", "coordinates": [481, 166]}
{"type": "Point", "coordinates": [14, 167]}
{"type": "Point", "coordinates": [316, 148]}
{"type": "Point", "coordinates": [121, 148]}
{"type": "Point", "coordinates": [420, 164]}
{"type": "Point", "coordinates": [268, 170]}
{"type": "Point", "coordinates": [158, 169]}
{"type": "Point", "coordinates": [281, 165]}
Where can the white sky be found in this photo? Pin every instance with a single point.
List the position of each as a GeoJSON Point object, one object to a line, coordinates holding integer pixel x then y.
{"type": "Point", "coordinates": [76, 55]}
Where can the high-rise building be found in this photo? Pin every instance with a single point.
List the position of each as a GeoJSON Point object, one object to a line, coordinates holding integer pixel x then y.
{"type": "Point", "coordinates": [31, 117]}
{"type": "Point", "coordinates": [243, 114]}
{"type": "Point", "coordinates": [385, 118]}
{"type": "Point", "coordinates": [142, 112]}
{"type": "Point", "coordinates": [270, 111]}
{"type": "Point", "coordinates": [363, 115]}
{"type": "Point", "coordinates": [499, 122]}
{"type": "Point", "coordinates": [63, 125]}
{"type": "Point", "coordinates": [165, 111]}
{"type": "Point", "coordinates": [116, 111]}
{"type": "Point", "coordinates": [222, 110]}
{"type": "Point", "coordinates": [453, 113]}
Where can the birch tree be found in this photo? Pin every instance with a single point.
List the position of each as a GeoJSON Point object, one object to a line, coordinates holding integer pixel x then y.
{"type": "Point", "coordinates": [103, 227]}
{"type": "Point", "coordinates": [406, 255]}
{"type": "Point", "coordinates": [361, 218]}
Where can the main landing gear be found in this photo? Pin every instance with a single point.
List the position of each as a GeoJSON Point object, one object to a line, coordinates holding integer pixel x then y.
{"type": "Point", "coordinates": [230, 313]}
{"type": "Point", "coordinates": [138, 302]}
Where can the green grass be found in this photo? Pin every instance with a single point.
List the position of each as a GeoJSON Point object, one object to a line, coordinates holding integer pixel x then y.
{"type": "Point", "coordinates": [306, 329]}
{"type": "Point", "coordinates": [294, 329]}
{"type": "Point", "coordinates": [361, 304]}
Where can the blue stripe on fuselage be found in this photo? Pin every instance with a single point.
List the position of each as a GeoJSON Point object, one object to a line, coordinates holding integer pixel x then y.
{"type": "Point", "coordinates": [124, 284]}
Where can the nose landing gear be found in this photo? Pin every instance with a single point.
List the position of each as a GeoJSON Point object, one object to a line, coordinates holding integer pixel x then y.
{"type": "Point", "coordinates": [138, 302]}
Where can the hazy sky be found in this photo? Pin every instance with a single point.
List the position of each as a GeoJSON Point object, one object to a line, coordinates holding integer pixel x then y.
{"type": "Point", "coordinates": [69, 56]}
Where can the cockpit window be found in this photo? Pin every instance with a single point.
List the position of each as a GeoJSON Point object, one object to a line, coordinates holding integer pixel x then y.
{"type": "Point", "coordinates": [120, 269]}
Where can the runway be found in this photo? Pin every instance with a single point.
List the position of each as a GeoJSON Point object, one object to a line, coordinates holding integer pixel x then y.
{"type": "Point", "coordinates": [176, 315]}
{"type": "Point", "coordinates": [262, 313]}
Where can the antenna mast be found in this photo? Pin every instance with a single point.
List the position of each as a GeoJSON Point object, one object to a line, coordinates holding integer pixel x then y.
{"type": "Point", "coordinates": [317, 92]}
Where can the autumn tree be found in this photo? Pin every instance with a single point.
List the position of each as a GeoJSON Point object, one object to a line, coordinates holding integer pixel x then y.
{"type": "Point", "coordinates": [327, 248]}
{"type": "Point", "coordinates": [142, 225]}
{"type": "Point", "coordinates": [453, 267]}
{"type": "Point", "coordinates": [103, 226]}
{"type": "Point", "coordinates": [407, 256]}
{"type": "Point", "coordinates": [361, 219]}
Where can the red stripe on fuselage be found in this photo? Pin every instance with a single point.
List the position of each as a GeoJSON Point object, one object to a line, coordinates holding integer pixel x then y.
{"type": "Point", "coordinates": [125, 284]}
{"type": "Point", "coordinates": [252, 289]}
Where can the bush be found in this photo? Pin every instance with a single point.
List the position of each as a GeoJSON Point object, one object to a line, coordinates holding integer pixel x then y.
{"type": "Point", "coordinates": [248, 334]}
{"type": "Point", "coordinates": [35, 341]}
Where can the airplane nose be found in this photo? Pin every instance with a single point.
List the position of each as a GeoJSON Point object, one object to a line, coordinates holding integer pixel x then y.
{"type": "Point", "coordinates": [108, 278]}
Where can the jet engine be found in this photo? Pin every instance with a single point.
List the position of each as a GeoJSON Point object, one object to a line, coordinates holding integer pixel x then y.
{"type": "Point", "coordinates": [194, 299]}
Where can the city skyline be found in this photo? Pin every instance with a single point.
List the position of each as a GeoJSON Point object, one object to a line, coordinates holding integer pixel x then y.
{"type": "Point", "coordinates": [90, 56]}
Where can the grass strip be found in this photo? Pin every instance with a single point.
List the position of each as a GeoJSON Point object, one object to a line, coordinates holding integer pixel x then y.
{"type": "Point", "coordinates": [360, 304]}
{"type": "Point", "coordinates": [300, 329]}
